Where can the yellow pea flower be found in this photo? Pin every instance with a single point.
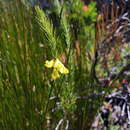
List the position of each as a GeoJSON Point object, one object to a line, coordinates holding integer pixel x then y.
{"type": "Point", "coordinates": [55, 74]}
{"type": "Point", "coordinates": [58, 64]}
{"type": "Point", "coordinates": [60, 67]}
{"type": "Point", "coordinates": [49, 64]}
{"type": "Point", "coordinates": [57, 67]}
{"type": "Point", "coordinates": [63, 70]}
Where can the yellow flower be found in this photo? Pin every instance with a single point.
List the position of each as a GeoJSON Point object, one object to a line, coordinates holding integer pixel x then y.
{"type": "Point", "coordinates": [55, 74]}
{"type": "Point", "coordinates": [57, 67]}
{"type": "Point", "coordinates": [63, 70]}
{"type": "Point", "coordinates": [60, 67]}
{"type": "Point", "coordinates": [58, 64]}
{"type": "Point", "coordinates": [49, 64]}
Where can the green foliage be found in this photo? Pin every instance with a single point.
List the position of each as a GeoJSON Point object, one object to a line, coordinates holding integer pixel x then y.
{"type": "Point", "coordinates": [29, 37]}
{"type": "Point", "coordinates": [47, 30]}
{"type": "Point", "coordinates": [91, 13]}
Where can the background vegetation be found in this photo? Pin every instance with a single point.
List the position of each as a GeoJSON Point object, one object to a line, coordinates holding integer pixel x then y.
{"type": "Point", "coordinates": [29, 36]}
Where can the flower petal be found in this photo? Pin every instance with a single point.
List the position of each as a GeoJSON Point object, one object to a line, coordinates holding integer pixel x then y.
{"type": "Point", "coordinates": [58, 65]}
{"type": "Point", "coordinates": [64, 70]}
{"type": "Point", "coordinates": [55, 74]}
{"type": "Point", "coordinates": [49, 64]}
